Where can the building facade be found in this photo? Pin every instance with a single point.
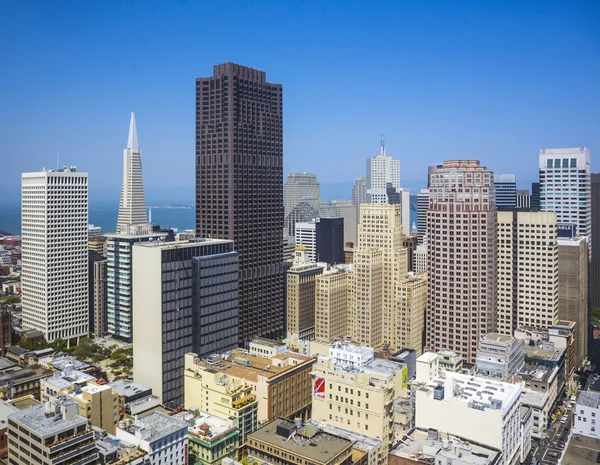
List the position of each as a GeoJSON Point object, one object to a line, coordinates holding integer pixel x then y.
{"type": "Point", "coordinates": [565, 187]}
{"type": "Point", "coordinates": [500, 356]}
{"type": "Point", "coordinates": [186, 298]}
{"type": "Point", "coordinates": [54, 210]}
{"type": "Point", "coordinates": [411, 317]}
{"type": "Point", "coordinates": [333, 301]}
{"type": "Point", "coordinates": [301, 187]}
{"type": "Point", "coordinates": [462, 257]}
{"type": "Point", "coordinates": [505, 186]}
{"type": "Point", "coordinates": [381, 171]}
{"type": "Point", "coordinates": [98, 295]}
{"type": "Point", "coordinates": [586, 418]}
{"type": "Point", "coordinates": [527, 270]}
{"type": "Point", "coordinates": [595, 234]}
{"type": "Point", "coordinates": [239, 186]}
{"type": "Point", "coordinates": [306, 235]}
{"type": "Point", "coordinates": [330, 240]}
{"type": "Point", "coordinates": [132, 206]}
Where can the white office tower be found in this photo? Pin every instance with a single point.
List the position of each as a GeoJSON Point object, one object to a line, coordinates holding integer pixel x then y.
{"type": "Point", "coordinates": [132, 208]}
{"type": "Point", "coordinates": [306, 234]}
{"type": "Point", "coordinates": [422, 208]}
{"type": "Point", "coordinates": [382, 170]}
{"type": "Point", "coordinates": [54, 227]}
{"type": "Point", "coordinates": [565, 187]}
{"type": "Point", "coordinates": [300, 187]}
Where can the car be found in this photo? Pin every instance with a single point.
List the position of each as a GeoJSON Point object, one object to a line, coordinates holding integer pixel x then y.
{"type": "Point", "coordinates": [570, 407]}
{"type": "Point", "coordinates": [563, 420]}
{"type": "Point", "coordinates": [552, 453]}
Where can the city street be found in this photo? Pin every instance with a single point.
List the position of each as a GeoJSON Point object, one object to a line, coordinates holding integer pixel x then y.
{"type": "Point", "coordinates": [558, 433]}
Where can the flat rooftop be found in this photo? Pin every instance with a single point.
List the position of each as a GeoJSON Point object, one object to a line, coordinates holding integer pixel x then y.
{"type": "Point", "coordinates": [267, 342]}
{"type": "Point", "coordinates": [66, 379]}
{"type": "Point", "coordinates": [63, 362]}
{"type": "Point", "coordinates": [45, 423]}
{"type": "Point", "coordinates": [317, 446]}
{"type": "Point", "coordinates": [155, 426]}
{"type": "Point", "coordinates": [5, 410]}
{"type": "Point", "coordinates": [582, 451]}
{"type": "Point", "coordinates": [144, 404]}
{"type": "Point", "coordinates": [537, 352]}
{"type": "Point", "coordinates": [182, 244]}
{"type": "Point", "coordinates": [589, 399]}
{"type": "Point", "coordinates": [362, 442]}
{"type": "Point", "coordinates": [205, 425]}
{"type": "Point", "coordinates": [250, 367]}
{"type": "Point", "coordinates": [497, 338]}
{"type": "Point", "coordinates": [427, 357]}
{"type": "Point", "coordinates": [417, 446]}
{"type": "Point", "coordinates": [128, 388]}
{"type": "Point", "coordinates": [536, 373]}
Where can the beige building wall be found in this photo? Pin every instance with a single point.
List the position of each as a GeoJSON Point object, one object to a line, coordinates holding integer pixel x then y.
{"type": "Point", "coordinates": [332, 301]}
{"type": "Point", "coordinates": [527, 270]}
{"type": "Point", "coordinates": [462, 241]}
{"type": "Point", "coordinates": [380, 240]}
{"type": "Point", "coordinates": [573, 290]}
{"type": "Point", "coordinates": [99, 404]}
{"type": "Point", "coordinates": [411, 317]}
{"type": "Point", "coordinates": [147, 318]}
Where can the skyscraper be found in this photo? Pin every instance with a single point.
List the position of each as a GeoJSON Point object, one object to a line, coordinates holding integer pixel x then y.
{"type": "Point", "coordinates": [535, 195]}
{"type": "Point", "coordinates": [382, 170]}
{"type": "Point", "coordinates": [54, 253]}
{"type": "Point", "coordinates": [462, 243]}
{"type": "Point", "coordinates": [506, 190]}
{"type": "Point", "coordinates": [422, 207]}
{"type": "Point", "coordinates": [565, 187]}
{"type": "Point", "coordinates": [330, 240]}
{"type": "Point", "coordinates": [527, 270]}
{"type": "Point", "coordinates": [239, 186]}
{"type": "Point", "coordinates": [301, 187]}
{"type": "Point", "coordinates": [306, 235]}
{"type": "Point", "coordinates": [132, 207]}
{"type": "Point", "coordinates": [523, 199]}
{"type": "Point", "coordinates": [359, 194]}
{"type": "Point", "coordinates": [595, 263]}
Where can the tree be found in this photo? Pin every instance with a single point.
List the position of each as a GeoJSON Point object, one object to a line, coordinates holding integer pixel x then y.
{"type": "Point", "coordinates": [85, 349]}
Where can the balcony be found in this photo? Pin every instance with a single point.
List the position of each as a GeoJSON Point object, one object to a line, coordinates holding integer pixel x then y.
{"type": "Point", "coordinates": [78, 438]}
{"type": "Point", "coordinates": [243, 401]}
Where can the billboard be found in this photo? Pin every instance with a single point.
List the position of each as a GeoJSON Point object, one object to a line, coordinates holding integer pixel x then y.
{"type": "Point", "coordinates": [319, 388]}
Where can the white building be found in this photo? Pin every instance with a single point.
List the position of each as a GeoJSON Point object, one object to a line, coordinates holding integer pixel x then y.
{"type": "Point", "coordinates": [565, 187]}
{"type": "Point", "coordinates": [54, 230]}
{"type": "Point", "coordinates": [164, 438]}
{"type": "Point", "coordinates": [420, 257]}
{"type": "Point", "coordinates": [477, 409]}
{"type": "Point", "coordinates": [587, 414]}
{"type": "Point", "coordinates": [132, 207]}
{"type": "Point", "coordinates": [382, 170]}
{"type": "Point", "coordinates": [306, 234]}
{"type": "Point", "coordinates": [300, 187]}
{"type": "Point", "coordinates": [351, 354]}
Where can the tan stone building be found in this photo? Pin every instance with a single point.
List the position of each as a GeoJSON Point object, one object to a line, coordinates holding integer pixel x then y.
{"type": "Point", "coordinates": [300, 289]}
{"type": "Point", "coordinates": [381, 263]}
{"type": "Point", "coordinates": [527, 270]}
{"type": "Point", "coordinates": [410, 326]}
{"type": "Point", "coordinates": [462, 242]}
{"type": "Point", "coordinates": [281, 384]}
{"type": "Point", "coordinates": [333, 299]}
{"type": "Point", "coordinates": [573, 290]}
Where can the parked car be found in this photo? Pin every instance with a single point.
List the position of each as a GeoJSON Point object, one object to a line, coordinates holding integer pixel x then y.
{"type": "Point", "coordinates": [551, 453]}
{"type": "Point", "coordinates": [563, 420]}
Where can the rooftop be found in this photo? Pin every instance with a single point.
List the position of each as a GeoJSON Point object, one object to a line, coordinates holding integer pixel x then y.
{"type": "Point", "coordinates": [536, 373]}
{"type": "Point", "coordinates": [267, 342]}
{"type": "Point", "coordinates": [6, 363]}
{"type": "Point", "coordinates": [155, 426]}
{"type": "Point", "coordinates": [63, 362]}
{"type": "Point", "coordinates": [182, 244]}
{"type": "Point", "coordinates": [425, 446]}
{"type": "Point", "coordinates": [47, 419]}
{"type": "Point", "coordinates": [125, 387]}
{"type": "Point", "coordinates": [497, 338]}
{"type": "Point", "coordinates": [5, 410]}
{"type": "Point", "coordinates": [240, 364]}
{"type": "Point", "coordinates": [538, 353]}
{"type": "Point", "coordinates": [361, 441]}
{"type": "Point", "coordinates": [308, 442]}
{"type": "Point", "coordinates": [583, 451]}
{"type": "Point", "coordinates": [144, 404]}
{"type": "Point", "coordinates": [204, 425]}
{"type": "Point", "coordinates": [66, 379]}
{"type": "Point", "coordinates": [589, 399]}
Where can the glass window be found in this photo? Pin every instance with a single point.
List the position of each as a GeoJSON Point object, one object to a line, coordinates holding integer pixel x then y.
{"type": "Point", "coordinates": [557, 163]}
{"type": "Point", "coordinates": [573, 162]}
{"type": "Point", "coordinates": [565, 163]}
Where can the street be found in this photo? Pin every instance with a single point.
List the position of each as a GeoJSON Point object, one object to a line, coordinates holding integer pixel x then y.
{"type": "Point", "coordinates": [558, 434]}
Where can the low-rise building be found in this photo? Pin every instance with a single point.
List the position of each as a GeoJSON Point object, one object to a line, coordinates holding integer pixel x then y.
{"type": "Point", "coordinates": [129, 392]}
{"type": "Point", "coordinates": [587, 414]}
{"type": "Point", "coordinates": [421, 446]}
{"type": "Point", "coordinates": [19, 382]}
{"type": "Point", "coordinates": [5, 409]}
{"type": "Point", "coordinates": [113, 451]}
{"type": "Point", "coordinates": [500, 356]}
{"type": "Point", "coordinates": [282, 383]}
{"type": "Point", "coordinates": [281, 442]}
{"type": "Point", "coordinates": [540, 389]}
{"type": "Point", "coordinates": [62, 362]}
{"type": "Point", "coordinates": [211, 438]}
{"type": "Point", "coordinates": [266, 348]}
{"type": "Point", "coordinates": [50, 433]}
{"type": "Point", "coordinates": [478, 409]}
{"type": "Point", "coordinates": [358, 396]}
{"type": "Point", "coordinates": [164, 438]}
{"type": "Point", "coordinates": [450, 361]}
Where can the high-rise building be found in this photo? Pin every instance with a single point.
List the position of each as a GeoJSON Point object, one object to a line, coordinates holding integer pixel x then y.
{"type": "Point", "coordinates": [119, 269]}
{"type": "Point", "coordinates": [301, 187]}
{"type": "Point", "coordinates": [506, 190]}
{"type": "Point", "coordinates": [573, 290]}
{"type": "Point", "coordinates": [342, 209]}
{"type": "Point", "coordinates": [381, 263]}
{"type": "Point", "coordinates": [565, 187]}
{"type": "Point", "coordinates": [462, 263]}
{"type": "Point", "coordinates": [535, 195]}
{"type": "Point", "coordinates": [333, 300]}
{"type": "Point", "coordinates": [411, 317]}
{"type": "Point", "coordinates": [405, 204]}
{"type": "Point", "coordinates": [239, 186]}
{"type": "Point", "coordinates": [595, 263]}
{"type": "Point", "coordinates": [306, 234]}
{"type": "Point", "coordinates": [98, 294]}
{"type": "Point", "coordinates": [381, 171]}
{"type": "Point", "coordinates": [523, 199]}
{"type": "Point", "coordinates": [330, 240]}
{"type": "Point", "coordinates": [185, 300]}
{"type": "Point", "coordinates": [422, 208]}
{"type": "Point", "coordinates": [359, 194]}
{"type": "Point", "coordinates": [54, 231]}
{"type": "Point", "coordinates": [410, 243]}
{"type": "Point", "coordinates": [132, 207]}
{"type": "Point", "coordinates": [300, 299]}
{"type": "Point", "coordinates": [527, 270]}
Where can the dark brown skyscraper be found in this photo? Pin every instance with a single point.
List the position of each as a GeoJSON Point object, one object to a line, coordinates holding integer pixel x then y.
{"type": "Point", "coordinates": [239, 186]}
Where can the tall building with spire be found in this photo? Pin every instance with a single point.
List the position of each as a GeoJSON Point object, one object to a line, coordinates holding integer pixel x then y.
{"type": "Point", "coordinates": [381, 171]}
{"type": "Point", "coordinates": [132, 207]}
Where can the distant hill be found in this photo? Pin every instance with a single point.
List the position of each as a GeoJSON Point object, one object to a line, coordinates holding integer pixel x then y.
{"type": "Point", "coordinates": [4, 233]}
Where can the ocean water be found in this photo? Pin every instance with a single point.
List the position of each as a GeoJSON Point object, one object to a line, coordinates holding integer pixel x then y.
{"type": "Point", "coordinates": [104, 214]}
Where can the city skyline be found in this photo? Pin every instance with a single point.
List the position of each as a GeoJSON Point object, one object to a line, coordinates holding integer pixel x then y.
{"type": "Point", "coordinates": [495, 93]}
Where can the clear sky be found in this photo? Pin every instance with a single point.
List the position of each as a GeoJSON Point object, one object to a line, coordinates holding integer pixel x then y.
{"type": "Point", "coordinates": [491, 80]}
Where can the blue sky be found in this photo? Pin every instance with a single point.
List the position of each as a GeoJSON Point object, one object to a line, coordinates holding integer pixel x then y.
{"type": "Point", "coordinates": [491, 80]}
